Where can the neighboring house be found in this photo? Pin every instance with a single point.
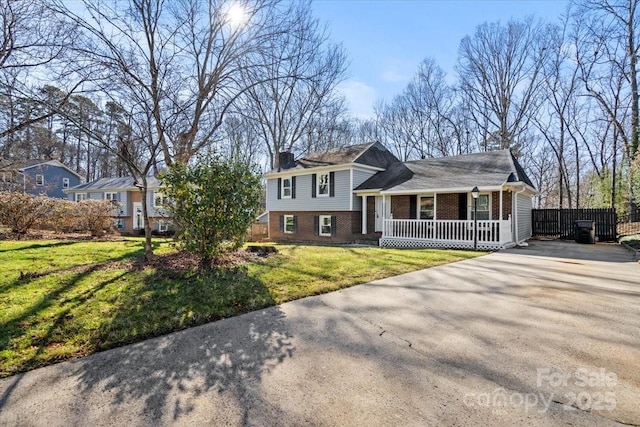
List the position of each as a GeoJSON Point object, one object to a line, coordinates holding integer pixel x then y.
{"type": "Point", "coordinates": [127, 198]}
{"type": "Point", "coordinates": [422, 203]}
{"type": "Point", "coordinates": [48, 177]}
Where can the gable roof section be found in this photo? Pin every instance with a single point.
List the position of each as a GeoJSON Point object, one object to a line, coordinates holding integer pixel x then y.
{"type": "Point", "coordinates": [8, 164]}
{"type": "Point", "coordinates": [486, 169]}
{"type": "Point", "coordinates": [22, 165]}
{"type": "Point", "coordinates": [125, 183]}
{"type": "Point", "coordinates": [370, 154]}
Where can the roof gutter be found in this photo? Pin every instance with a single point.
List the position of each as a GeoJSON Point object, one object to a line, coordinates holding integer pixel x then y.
{"type": "Point", "coordinates": [442, 190]}
{"type": "Point", "coordinates": [316, 169]}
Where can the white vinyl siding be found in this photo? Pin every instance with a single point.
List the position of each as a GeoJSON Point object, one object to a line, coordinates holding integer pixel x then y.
{"type": "Point", "coordinates": [525, 205]}
{"type": "Point", "coordinates": [96, 196]}
{"type": "Point", "coordinates": [154, 211]}
{"type": "Point", "coordinates": [303, 200]}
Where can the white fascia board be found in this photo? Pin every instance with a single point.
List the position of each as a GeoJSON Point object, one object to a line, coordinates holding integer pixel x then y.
{"type": "Point", "coordinates": [321, 169]}
{"type": "Point", "coordinates": [368, 192]}
{"type": "Point", "coordinates": [522, 185]}
{"type": "Point", "coordinates": [441, 190]}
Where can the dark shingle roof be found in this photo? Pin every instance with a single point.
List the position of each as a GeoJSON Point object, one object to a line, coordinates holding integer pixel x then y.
{"type": "Point", "coordinates": [372, 154]}
{"type": "Point", "coordinates": [121, 183]}
{"type": "Point", "coordinates": [480, 169]}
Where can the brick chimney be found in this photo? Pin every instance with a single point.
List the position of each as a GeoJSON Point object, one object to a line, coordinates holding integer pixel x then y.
{"type": "Point", "coordinates": [285, 159]}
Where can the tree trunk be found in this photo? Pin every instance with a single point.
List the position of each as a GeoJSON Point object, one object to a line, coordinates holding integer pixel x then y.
{"type": "Point", "coordinates": [148, 248]}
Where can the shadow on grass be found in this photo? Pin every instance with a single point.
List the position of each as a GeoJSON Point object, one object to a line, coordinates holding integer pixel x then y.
{"type": "Point", "coordinates": [39, 246]}
{"type": "Point", "coordinates": [211, 358]}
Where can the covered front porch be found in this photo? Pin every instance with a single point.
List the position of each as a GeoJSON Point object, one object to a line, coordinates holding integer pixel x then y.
{"type": "Point", "coordinates": [440, 219]}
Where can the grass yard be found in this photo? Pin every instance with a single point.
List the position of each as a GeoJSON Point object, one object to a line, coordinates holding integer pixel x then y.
{"type": "Point", "coordinates": [64, 299]}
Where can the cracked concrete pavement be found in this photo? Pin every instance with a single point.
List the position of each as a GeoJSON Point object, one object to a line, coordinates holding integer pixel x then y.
{"type": "Point", "coordinates": [543, 335]}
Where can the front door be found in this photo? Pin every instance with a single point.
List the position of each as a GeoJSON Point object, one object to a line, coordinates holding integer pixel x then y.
{"type": "Point", "coordinates": [379, 215]}
{"type": "Point", "coordinates": [138, 218]}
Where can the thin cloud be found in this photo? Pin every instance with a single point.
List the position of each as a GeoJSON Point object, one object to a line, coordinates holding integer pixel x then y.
{"type": "Point", "coordinates": [360, 97]}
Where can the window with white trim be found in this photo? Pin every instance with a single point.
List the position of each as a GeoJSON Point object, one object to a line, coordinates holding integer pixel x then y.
{"type": "Point", "coordinates": [65, 182]}
{"type": "Point", "coordinates": [158, 199]}
{"type": "Point", "coordinates": [39, 180]}
{"type": "Point", "coordinates": [289, 224]}
{"type": "Point", "coordinates": [426, 207]}
{"type": "Point", "coordinates": [325, 225]}
{"type": "Point", "coordinates": [81, 196]}
{"type": "Point", "coordinates": [323, 185]}
{"type": "Point", "coordinates": [112, 197]}
{"type": "Point", "coordinates": [484, 207]}
{"type": "Point", "coordinates": [286, 188]}
{"type": "Point", "coordinates": [163, 226]}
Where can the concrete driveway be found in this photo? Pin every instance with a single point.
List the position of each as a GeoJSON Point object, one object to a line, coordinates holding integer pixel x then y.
{"type": "Point", "coordinates": [543, 335]}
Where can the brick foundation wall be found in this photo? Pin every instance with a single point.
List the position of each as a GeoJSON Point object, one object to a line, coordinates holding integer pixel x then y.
{"type": "Point", "coordinates": [348, 227]}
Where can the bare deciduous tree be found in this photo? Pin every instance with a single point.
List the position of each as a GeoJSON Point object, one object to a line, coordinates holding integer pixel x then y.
{"type": "Point", "coordinates": [500, 71]}
{"type": "Point", "coordinates": [294, 92]}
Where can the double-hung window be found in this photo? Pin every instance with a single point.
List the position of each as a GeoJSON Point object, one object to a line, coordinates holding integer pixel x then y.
{"type": "Point", "coordinates": [158, 199]}
{"type": "Point", "coordinates": [286, 188]}
{"type": "Point", "coordinates": [65, 182]}
{"type": "Point", "coordinates": [325, 225]}
{"type": "Point", "coordinates": [81, 196]}
{"type": "Point", "coordinates": [426, 207]}
{"type": "Point", "coordinates": [289, 224]}
{"type": "Point", "coordinates": [483, 207]}
{"type": "Point", "coordinates": [112, 197]}
{"type": "Point", "coordinates": [39, 180]}
{"type": "Point", "coordinates": [323, 185]}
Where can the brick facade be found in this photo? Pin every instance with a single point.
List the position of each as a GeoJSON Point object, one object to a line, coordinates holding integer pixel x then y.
{"type": "Point", "coordinates": [348, 227]}
{"type": "Point", "coordinates": [400, 207]}
{"type": "Point", "coordinates": [447, 206]}
{"type": "Point", "coordinates": [506, 204]}
{"type": "Point", "coordinates": [371, 214]}
{"type": "Point", "coordinates": [349, 224]}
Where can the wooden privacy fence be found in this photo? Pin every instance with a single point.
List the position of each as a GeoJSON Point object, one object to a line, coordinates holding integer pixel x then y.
{"type": "Point", "coordinates": [559, 222]}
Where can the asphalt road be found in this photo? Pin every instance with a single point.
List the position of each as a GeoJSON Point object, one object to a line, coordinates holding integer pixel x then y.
{"type": "Point", "coordinates": [543, 335]}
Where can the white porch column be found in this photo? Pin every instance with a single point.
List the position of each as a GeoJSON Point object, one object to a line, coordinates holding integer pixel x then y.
{"type": "Point", "coordinates": [435, 206]}
{"type": "Point", "coordinates": [364, 214]}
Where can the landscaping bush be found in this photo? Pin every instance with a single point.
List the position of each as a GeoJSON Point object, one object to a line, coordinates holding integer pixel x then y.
{"type": "Point", "coordinates": [212, 204]}
{"type": "Point", "coordinates": [21, 212]}
{"type": "Point", "coordinates": [93, 216]}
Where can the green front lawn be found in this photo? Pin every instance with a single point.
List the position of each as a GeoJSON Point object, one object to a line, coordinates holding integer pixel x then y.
{"type": "Point", "coordinates": [65, 299]}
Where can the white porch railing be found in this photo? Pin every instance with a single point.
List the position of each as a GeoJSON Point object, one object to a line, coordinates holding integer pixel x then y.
{"type": "Point", "coordinates": [494, 234]}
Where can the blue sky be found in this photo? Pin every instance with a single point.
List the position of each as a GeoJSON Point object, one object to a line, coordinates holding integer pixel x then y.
{"type": "Point", "coordinates": [386, 40]}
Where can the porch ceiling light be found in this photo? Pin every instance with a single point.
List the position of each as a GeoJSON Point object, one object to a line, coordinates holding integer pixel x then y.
{"type": "Point", "coordinates": [475, 192]}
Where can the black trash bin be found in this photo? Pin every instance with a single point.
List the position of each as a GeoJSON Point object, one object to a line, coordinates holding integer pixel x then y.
{"type": "Point", "coordinates": [585, 231]}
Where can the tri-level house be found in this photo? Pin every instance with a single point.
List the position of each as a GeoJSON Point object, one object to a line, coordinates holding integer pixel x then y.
{"type": "Point", "coordinates": [48, 177]}
{"type": "Point", "coordinates": [126, 196]}
{"type": "Point", "coordinates": [363, 191]}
